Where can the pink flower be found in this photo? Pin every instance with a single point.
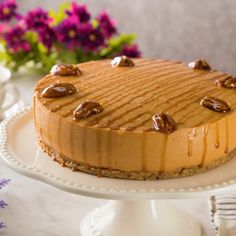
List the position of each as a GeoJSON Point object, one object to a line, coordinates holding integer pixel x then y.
{"type": "Point", "coordinates": [14, 38]}
{"type": "Point", "coordinates": [37, 19]}
{"type": "Point", "coordinates": [89, 38]}
{"type": "Point", "coordinates": [47, 37]}
{"type": "Point", "coordinates": [95, 40]}
{"type": "Point", "coordinates": [106, 25]}
{"type": "Point", "coordinates": [67, 32]}
{"type": "Point", "coordinates": [7, 10]}
{"type": "Point", "coordinates": [79, 11]}
{"type": "Point", "coordinates": [131, 51]}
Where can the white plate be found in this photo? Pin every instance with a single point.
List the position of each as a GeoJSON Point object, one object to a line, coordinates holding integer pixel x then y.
{"type": "Point", "coordinates": [19, 150]}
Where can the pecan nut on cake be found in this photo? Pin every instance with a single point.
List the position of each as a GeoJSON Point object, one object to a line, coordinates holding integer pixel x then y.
{"type": "Point", "coordinates": [137, 118]}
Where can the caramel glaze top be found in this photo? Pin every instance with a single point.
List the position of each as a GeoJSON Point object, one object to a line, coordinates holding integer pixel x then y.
{"type": "Point", "coordinates": [130, 96]}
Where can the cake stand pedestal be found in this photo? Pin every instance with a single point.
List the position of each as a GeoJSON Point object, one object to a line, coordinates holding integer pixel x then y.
{"type": "Point", "coordinates": [139, 218]}
{"type": "Point", "coordinates": [132, 210]}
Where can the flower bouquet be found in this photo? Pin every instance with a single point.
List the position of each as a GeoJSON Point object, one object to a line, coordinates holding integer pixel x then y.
{"type": "Point", "coordinates": [41, 38]}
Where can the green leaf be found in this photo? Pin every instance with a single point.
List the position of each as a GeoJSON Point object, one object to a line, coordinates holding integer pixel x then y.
{"type": "Point", "coordinates": [116, 44]}
{"type": "Point", "coordinates": [94, 23]}
{"type": "Point", "coordinates": [59, 15]}
{"type": "Point", "coordinates": [31, 36]}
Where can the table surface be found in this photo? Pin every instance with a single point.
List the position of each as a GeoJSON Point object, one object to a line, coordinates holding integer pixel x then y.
{"type": "Point", "coordinates": [35, 208]}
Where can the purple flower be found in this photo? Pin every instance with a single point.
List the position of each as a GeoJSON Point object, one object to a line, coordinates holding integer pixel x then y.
{"type": "Point", "coordinates": [131, 51]}
{"type": "Point", "coordinates": [89, 38]}
{"type": "Point", "coordinates": [47, 37]}
{"type": "Point", "coordinates": [3, 204]}
{"type": "Point", "coordinates": [95, 40]}
{"type": "Point", "coordinates": [15, 40]}
{"type": "Point", "coordinates": [79, 11]}
{"type": "Point", "coordinates": [67, 32]}
{"type": "Point", "coordinates": [37, 19]}
{"type": "Point", "coordinates": [106, 25]}
{"type": "Point", "coordinates": [84, 31]}
{"type": "Point", "coordinates": [2, 225]}
{"type": "Point", "coordinates": [7, 10]}
{"type": "Point", "coordinates": [4, 182]}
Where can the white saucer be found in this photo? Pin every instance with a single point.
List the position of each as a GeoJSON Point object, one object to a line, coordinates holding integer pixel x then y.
{"type": "Point", "coordinates": [19, 150]}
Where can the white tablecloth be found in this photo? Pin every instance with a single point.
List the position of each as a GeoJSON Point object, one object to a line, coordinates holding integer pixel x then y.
{"type": "Point", "coordinates": [38, 209]}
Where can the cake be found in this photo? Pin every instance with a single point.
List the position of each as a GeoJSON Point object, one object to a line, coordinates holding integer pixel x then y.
{"type": "Point", "coordinates": [137, 118]}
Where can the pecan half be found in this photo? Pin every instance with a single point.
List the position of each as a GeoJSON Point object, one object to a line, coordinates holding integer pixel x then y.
{"type": "Point", "coordinates": [65, 70]}
{"type": "Point", "coordinates": [122, 61]}
{"type": "Point", "coordinates": [164, 123]}
{"type": "Point", "coordinates": [215, 104]}
{"type": "Point", "coordinates": [200, 65]}
{"type": "Point", "coordinates": [58, 90]}
{"type": "Point", "coordinates": [87, 109]}
{"type": "Point", "coordinates": [228, 82]}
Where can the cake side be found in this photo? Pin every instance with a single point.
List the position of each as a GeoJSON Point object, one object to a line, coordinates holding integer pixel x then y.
{"type": "Point", "coordinates": [134, 174]}
{"type": "Point", "coordinates": [136, 151]}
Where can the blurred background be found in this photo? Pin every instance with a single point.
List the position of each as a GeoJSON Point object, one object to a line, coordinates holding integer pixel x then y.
{"type": "Point", "coordinates": [173, 29]}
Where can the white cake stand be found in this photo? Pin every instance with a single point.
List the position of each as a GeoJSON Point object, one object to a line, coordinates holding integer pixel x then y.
{"type": "Point", "coordinates": [132, 210]}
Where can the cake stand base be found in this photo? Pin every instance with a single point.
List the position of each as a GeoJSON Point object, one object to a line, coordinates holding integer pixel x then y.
{"type": "Point", "coordinates": [139, 218]}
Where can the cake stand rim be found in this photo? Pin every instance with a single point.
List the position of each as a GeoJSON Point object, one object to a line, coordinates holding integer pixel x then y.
{"type": "Point", "coordinates": [92, 191]}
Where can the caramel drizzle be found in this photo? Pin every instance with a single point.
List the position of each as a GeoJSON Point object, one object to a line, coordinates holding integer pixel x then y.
{"type": "Point", "coordinates": [125, 88]}
{"type": "Point", "coordinates": [217, 144]}
{"type": "Point", "coordinates": [186, 117]}
{"type": "Point", "coordinates": [49, 129]}
{"type": "Point", "coordinates": [146, 102]}
{"type": "Point", "coordinates": [162, 82]}
{"type": "Point", "coordinates": [191, 135]}
{"type": "Point", "coordinates": [59, 140]}
{"type": "Point", "coordinates": [187, 96]}
{"type": "Point", "coordinates": [204, 152]}
{"type": "Point", "coordinates": [72, 148]}
{"type": "Point", "coordinates": [73, 101]}
{"type": "Point", "coordinates": [163, 153]}
{"type": "Point", "coordinates": [49, 79]}
{"type": "Point", "coordinates": [120, 95]}
{"type": "Point", "coordinates": [149, 100]}
{"type": "Point", "coordinates": [99, 149]}
{"type": "Point", "coordinates": [172, 113]}
{"type": "Point", "coordinates": [143, 153]}
{"type": "Point", "coordinates": [106, 78]}
{"type": "Point", "coordinates": [190, 147]}
{"type": "Point", "coordinates": [226, 136]}
{"type": "Point", "coordinates": [131, 128]}
{"type": "Point", "coordinates": [105, 89]}
{"type": "Point", "coordinates": [41, 134]}
{"type": "Point", "coordinates": [84, 148]}
{"type": "Point", "coordinates": [109, 151]}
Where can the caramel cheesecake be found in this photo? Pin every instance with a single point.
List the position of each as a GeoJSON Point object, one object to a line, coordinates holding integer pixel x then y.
{"type": "Point", "coordinates": [137, 119]}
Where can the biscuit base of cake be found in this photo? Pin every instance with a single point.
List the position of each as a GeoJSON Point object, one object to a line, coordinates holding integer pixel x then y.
{"type": "Point", "coordinates": [133, 175]}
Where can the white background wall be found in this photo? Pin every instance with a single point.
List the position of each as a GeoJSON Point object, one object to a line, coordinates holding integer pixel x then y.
{"type": "Point", "coordinates": [174, 29]}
